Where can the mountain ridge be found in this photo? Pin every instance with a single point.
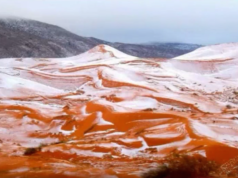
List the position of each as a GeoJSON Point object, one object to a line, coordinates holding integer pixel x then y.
{"type": "Point", "coordinates": [30, 38]}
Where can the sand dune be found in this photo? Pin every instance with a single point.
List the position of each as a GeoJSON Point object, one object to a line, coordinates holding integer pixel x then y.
{"type": "Point", "coordinates": [105, 113]}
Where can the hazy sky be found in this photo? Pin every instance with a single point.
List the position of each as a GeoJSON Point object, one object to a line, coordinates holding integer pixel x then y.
{"type": "Point", "coordinates": [136, 21]}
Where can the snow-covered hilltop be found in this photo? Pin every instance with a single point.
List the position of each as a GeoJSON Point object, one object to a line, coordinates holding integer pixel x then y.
{"type": "Point", "coordinates": [214, 52]}
{"type": "Point", "coordinates": [104, 52]}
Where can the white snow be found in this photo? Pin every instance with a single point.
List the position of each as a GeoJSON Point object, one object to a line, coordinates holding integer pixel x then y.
{"type": "Point", "coordinates": [19, 170]}
{"type": "Point", "coordinates": [101, 121]}
{"type": "Point", "coordinates": [214, 52]}
{"type": "Point", "coordinates": [204, 130]}
{"type": "Point", "coordinates": [117, 53]}
{"type": "Point", "coordinates": [139, 103]}
{"type": "Point", "coordinates": [15, 87]}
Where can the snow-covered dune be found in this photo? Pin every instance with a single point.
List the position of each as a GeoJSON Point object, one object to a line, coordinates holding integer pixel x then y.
{"type": "Point", "coordinates": [214, 52]}
{"type": "Point", "coordinates": [103, 107]}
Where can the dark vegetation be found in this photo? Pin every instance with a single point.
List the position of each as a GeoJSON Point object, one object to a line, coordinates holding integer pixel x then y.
{"type": "Point", "coordinates": [181, 165]}
{"type": "Point", "coordinates": [30, 151]}
{"type": "Point", "coordinates": [33, 150]}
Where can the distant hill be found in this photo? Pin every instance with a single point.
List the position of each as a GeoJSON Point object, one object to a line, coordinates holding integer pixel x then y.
{"type": "Point", "coordinates": [213, 52]}
{"type": "Point", "coordinates": [30, 38]}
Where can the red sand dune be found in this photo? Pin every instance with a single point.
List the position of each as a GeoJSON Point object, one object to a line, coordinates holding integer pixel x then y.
{"type": "Point", "coordinates": [106, 114]}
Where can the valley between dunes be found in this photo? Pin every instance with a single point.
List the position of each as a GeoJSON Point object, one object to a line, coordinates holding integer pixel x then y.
{"type": "Point", "coordinates": [107, 114]}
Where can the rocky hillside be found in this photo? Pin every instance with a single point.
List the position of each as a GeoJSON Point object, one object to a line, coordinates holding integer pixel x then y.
{"type": "Point", "coordinates": [29, 38]}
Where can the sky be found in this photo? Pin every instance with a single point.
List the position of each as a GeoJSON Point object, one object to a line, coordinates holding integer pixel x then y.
{"type": "Point", "coordinates": [136, 21]}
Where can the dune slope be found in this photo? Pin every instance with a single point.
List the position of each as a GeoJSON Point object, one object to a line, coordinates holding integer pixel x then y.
{"type": "Point", "coordinates": [107, 114]}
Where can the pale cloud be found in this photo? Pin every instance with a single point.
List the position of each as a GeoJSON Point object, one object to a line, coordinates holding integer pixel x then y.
{"type": "Point", "coordinates": [191, 21]}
